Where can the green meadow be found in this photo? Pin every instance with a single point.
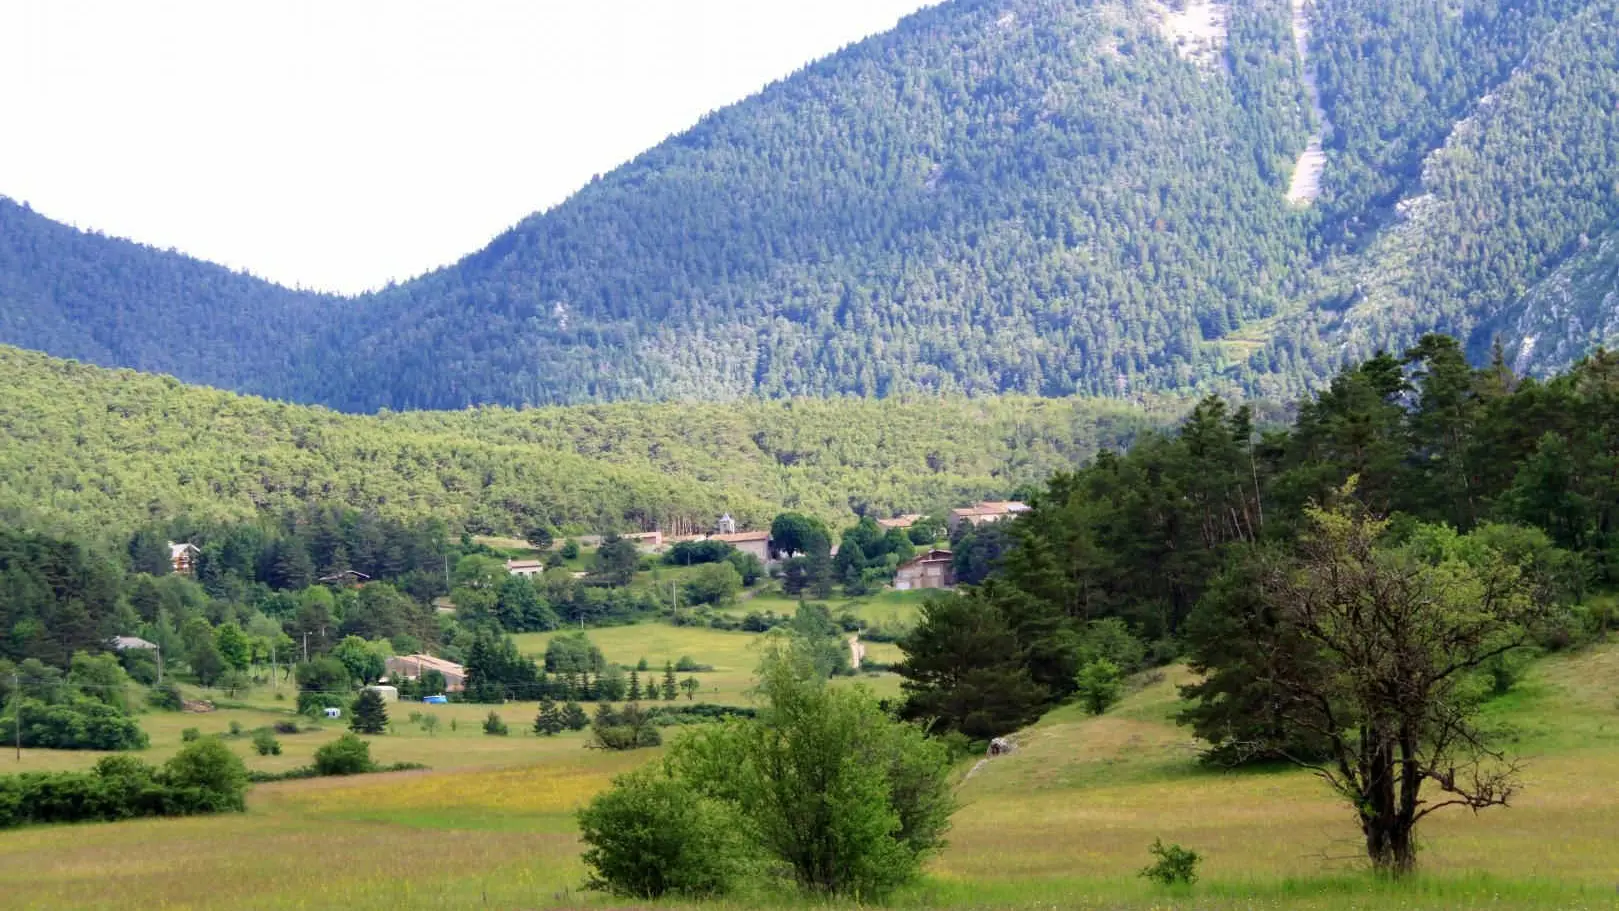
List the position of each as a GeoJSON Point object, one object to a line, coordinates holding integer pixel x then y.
{"type": "Point", "coordinates": [1064, 822]}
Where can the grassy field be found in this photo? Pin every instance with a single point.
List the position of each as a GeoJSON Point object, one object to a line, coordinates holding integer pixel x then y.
{"type": "Point", "coordinates": [1062, 823]}
{"type": "Point", "coordinates": [733, 655]}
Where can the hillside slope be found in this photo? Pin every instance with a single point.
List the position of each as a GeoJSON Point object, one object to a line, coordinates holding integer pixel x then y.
{"type": "Point", "coordinates": [1045, 197]}
{"type": "Point", "coordinates": [96, 450]}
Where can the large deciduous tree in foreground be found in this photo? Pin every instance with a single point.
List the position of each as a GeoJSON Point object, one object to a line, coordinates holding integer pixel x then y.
{"type": "Point", "coordinates": [1396, 638]}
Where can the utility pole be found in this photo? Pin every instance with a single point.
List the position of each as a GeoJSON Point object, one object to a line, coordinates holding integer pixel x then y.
{"type": "Point", "coordinates": [159, 664]}
{"type": "Point", "coordinates": [275, 682]}
{"type": "Point", "coordinates": [306, 646]}
{"type": "Point", "coordinates": [16, 697]}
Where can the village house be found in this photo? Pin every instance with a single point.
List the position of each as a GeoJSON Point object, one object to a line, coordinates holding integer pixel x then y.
{"type": "Point", "coordinates": [985, 512]}
{"type": "Point", "coordinates": [934, 569]}
{"type": "Point", "coordinates": [749, 542]}
{"type": "Point", "coordinates": [646, 540]}
{"type": "Point", "coordinates": [411, 667]}
{"type": "Point", "coordinates": [183, 557]}
{"type": "Point", "coordinates": [528, 568]}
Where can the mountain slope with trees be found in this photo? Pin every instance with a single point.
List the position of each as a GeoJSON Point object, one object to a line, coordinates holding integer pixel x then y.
{"type": "Point", "coordinates": [1040, 197]}
{"type": "Point", "coordinates": [93, 451]}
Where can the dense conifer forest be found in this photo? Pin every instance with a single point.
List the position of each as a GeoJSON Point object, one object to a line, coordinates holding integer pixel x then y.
{"type": "Point", "coordinates": [999, 196]}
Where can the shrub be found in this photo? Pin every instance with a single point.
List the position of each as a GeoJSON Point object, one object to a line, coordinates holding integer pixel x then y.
{"type": "Point", "coordinates": [651, 835]}
{"type": "Point", "coordinates": [1099, 685]}
{"type": "Point", "coordinates": [629, 729]}
{"type": "Point", "coordinates": [347, 755]}
{"type": "Point", "coordinates": [165, 697]}
{"type": "Point", "coordinates": [494, 726]}
{"type": "Point", "coordinates": [574, 717]}
{"type": "Point", "coordinates": [235, 728]}
{"type": "Point", "coordinates": [286, 727]}
{"type": "Point", "coordinates": [77, 724]}
{"type": "Point", "coordinates": [844, 826]}
{"type": "Point", "coordinates": [190, 735]}
{"type": "Point", "coordinates": [207, 777]}
{"type": "Point", "coordinates": [265, 743]}
{"type": "Point", "coordinates": [203, 778]}
{"type": "Point", "coordinates": [1175, 865]}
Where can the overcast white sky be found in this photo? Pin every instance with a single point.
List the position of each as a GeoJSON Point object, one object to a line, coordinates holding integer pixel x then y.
{"type": "Point", "coordinates": [338, 144]}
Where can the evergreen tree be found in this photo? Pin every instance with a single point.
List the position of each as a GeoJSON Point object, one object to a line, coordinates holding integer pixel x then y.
{"type": "Point", "coordinates": [635, 686]}
{"type": "Point", "coordinates": [670, 685]}
{"type": "Point", "coordinates": [574, 717]}
{"type": "Point", "coordinates": [549, 721]}
{"type": "Point", "coordinates": [369, 714]}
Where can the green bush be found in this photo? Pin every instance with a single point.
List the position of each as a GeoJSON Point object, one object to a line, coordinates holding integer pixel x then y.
{"type": "Point", "coordinates": [265, 744]}
{"type": "Point", "coordinates": [1176, 866]}
{"type": "Point", "coordinates": [204, 777]}
{"type": "Point", "coordinates": [1099, 685]}
{"type": "Point", "coordinates": [347, 755]}
{"type": "Point", "coordinates": [629, 729]}
{"type": "Point", "coordinates": [650, 836]}
{"type": "Point", "coordinates": [492, 725]}
{"type": "Point", "coordinates": [79, 723]}
{"type": "Point", "coordinates": [208, 775]}
{"type": "Point", "coordinates": [190, 735]}
{"type": "Point", "coordinates": [165, 697]}
{"type": "Point", "coordinates": [847, 799]}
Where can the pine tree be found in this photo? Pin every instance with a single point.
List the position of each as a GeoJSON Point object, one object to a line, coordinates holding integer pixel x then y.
{"type": "Point", "coordinates": [549, 721]}
{"type": "Point", "coordinates": [670, 687]}
{"type": "Point", "coordinates": [574, 717]}
{"type": "Point", "coordinates": [370, 714]}
{"type": "Point", "coordinates": [635, 686]}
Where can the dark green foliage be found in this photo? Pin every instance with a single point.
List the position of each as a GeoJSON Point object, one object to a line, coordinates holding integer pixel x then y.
{"type": "Point", "coordinates": [165, 697]}
{"type": "Point", "coordinates": [650, 835]}
{"type": "Point", "coordinates": [347, 755]}
{"type": "Point", "coordinates": [56, 598]}
{"type": "Point", "coordinates": [626, 729]}
{"type": "Point", "coordinates": [573, 653]}
{"type": "Point", "coordinates": [548, 721]}
{"type": "Point", "coordinates": [322, 683]}
{"type": "Point", "coordinates": [1175, 865]}
{"type": "Point", "coordinates": [847, 799]}
{"type": "Point", "coordinates": [495, 727]}
{"type": "Point", "coordinates": [716, 583]}
{"type": "Point", "coordinates": [204, 777]}
{"type": "Point", "coordinates": [964, 671]}
{"type": "Point", "coordinates": [210, 774]}
{"type": "Point", "coordinates": [369, 713]}
{"type": "Point", "coordinates": [265, 744]}
{"type": "Point", "coordinates": [574, 717]}
{"type": "Point", "coordinates": [77, 723]}
{"type": "Point", "coordinates": [616, 560]}
{"type": "Point", "coordinates": [691, 553]}
{"type": "Point", "coordinates": [496, 671]}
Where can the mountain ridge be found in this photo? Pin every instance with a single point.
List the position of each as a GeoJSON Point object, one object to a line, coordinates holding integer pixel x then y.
{"type": "Point", "coordinates": [999, 196]}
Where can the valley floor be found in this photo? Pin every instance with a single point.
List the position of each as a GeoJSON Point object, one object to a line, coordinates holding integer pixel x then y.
{"type": "Point", "coordinates": [1062, 823]}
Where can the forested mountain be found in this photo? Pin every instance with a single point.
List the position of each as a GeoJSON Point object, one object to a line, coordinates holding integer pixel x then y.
{"type": "Point", "coordinates": [1044, 197]}
{"type": "Point", "coordinates": [93, 451]}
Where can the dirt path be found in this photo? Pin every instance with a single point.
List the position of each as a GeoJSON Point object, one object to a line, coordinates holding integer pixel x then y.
{"type": "Point", "coordinates": [1306, 184]}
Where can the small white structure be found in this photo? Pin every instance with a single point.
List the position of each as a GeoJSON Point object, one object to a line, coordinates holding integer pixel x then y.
{"type": "Point", "coordinates": [338, 713]}
{"type": "Point", "coordinates": [727, 525]}
{"type": "Point", "coordinates": [388, 693]}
